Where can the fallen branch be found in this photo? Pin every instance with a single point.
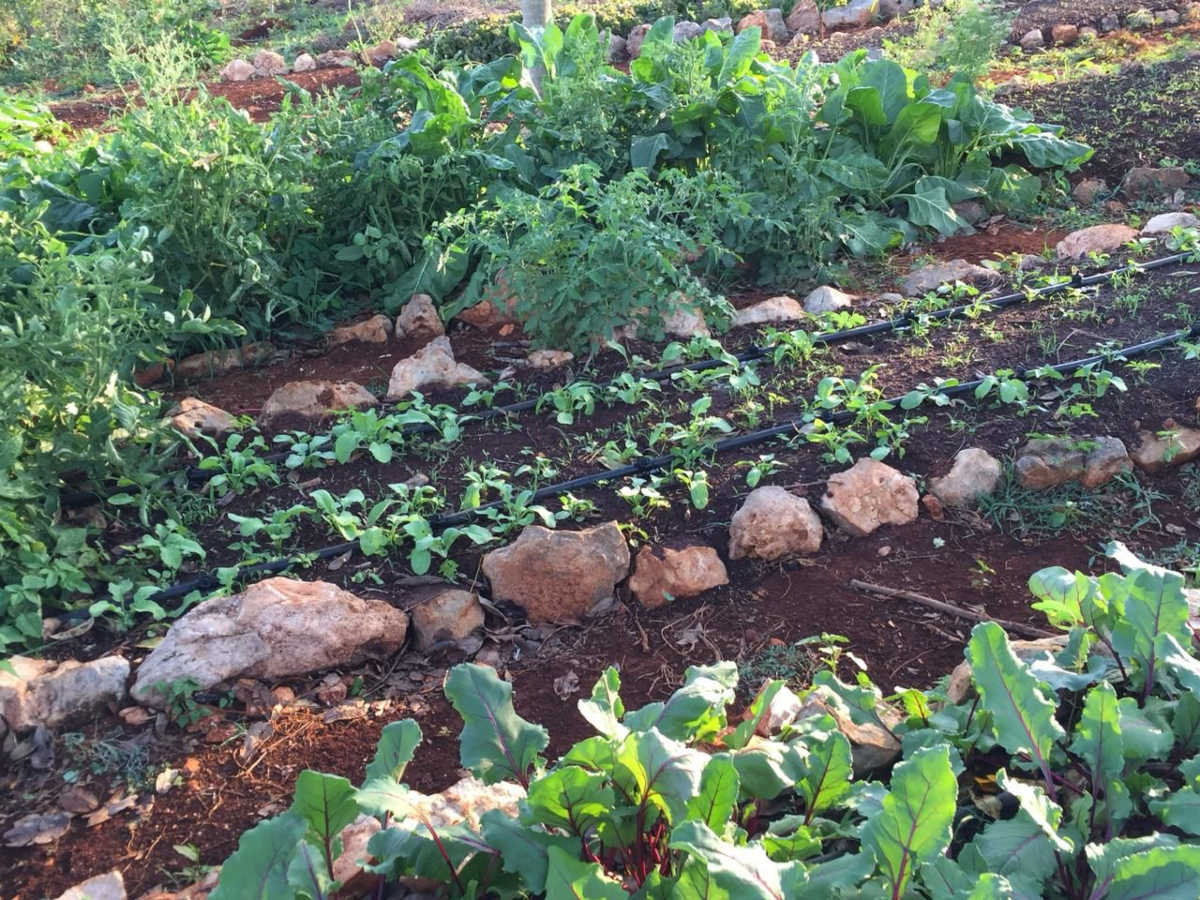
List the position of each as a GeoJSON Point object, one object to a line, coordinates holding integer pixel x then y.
{"type": "Point", "coordinates": [948, 608]}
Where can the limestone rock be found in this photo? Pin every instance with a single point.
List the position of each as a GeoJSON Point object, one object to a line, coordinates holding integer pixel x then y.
{"type": "Point", "coordinates": [218, 362]}
{"type": "Point", "coordinates": [1087, 34]}
{"type": "Point", "coordinates": [433, 367]}
{"type": "Point", "coordinates": [272, 630]}
{"type": "Point", "coordinates": [617, 50]}
{"type": "Point", "coordinates": [782, 711]}
{"type": "Point", "coordinates": [1097, 239]}
{"type": "Point", "coordinates": [237, 70]}
{"type": "Point", "coordinates": [773, 523]}
{"type": "Point", "coordinates": [827, 299]}
{"type": "Point", "coordinates": [777, 309]}
{"type": "Point", "coordinates": [558, 576]}
{"type": "Point", "coordinates": [930, 278]}
{"type": "Point", "coordinates": [855, 14]}
{"type": "Point", "coordinates": [332, 59]}
{"type": "Point", "coordinates": [720, 26]}
{"type": "Point", "coordinates": [1167, 17]}
{"type": "Point", "coordinates": [890, 9]}
{"type": "Point", "coordinates": [465, 802]}
{"type": "Point", "coordinates": [1162, 224]}
{"type": "Point", "coordinates": [974, 474]}
{"type": "Point", "coordinates": [375, 330]}
{"type": "Point", "coordinates": [1032, 40]}
{"type": "Point", "coordinates": [872, 744]}
{"type": "Point", "coordinates": [544, 360]}
{"type": "Point", "coordinates": [304, 63]}
{"type": "Point", "coordinates": [446, 616]}
{"type": "Point", "coordinates": [1089, 190]}
{"type": "Point", "coordinates": [805, 18]}
{"type": "Point", "coordinates": [349, 863]}
{"type": "Point", "coordinates": [637, 37]}
{"type": "Point", "coordinates": [868, 495]}
{"type": "Point", "coordinates": [1141, 183]}
{"type": "Point", "coordinates": [1105, 460]}
{"type": "Point", "coordinates": [971, 211]}
{"type": "Point", "coordinates": [1048, 462]}
{"type": "Point", "coordinates": [311, 401]}
{"type": "Point", "coordinates": [110, 886]}
{"type": "Point", "coordinates": [195, 418]}
{"type": "Point", "coordinates": [1064, 35]}
{"type": "Point", "coordinates": [663, 574]}
{"type": "Point", "coordinates": [51, 694]}
{"type": "Point", "coordinates": [268, 63]}
{"type": "Point", "coordinates": [381, 52]}
{"type": "Point", "coordinates": [769, 21]}
{"type": "Point", "coordinates": [686, 31]}
{"type": "Point", "coordinates": [1171, 446]}
{"type": "Point", "coordinates": [419, 320]}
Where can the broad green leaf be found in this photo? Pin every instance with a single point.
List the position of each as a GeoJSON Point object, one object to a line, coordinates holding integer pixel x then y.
{"type": "Point", "coordinates": [695, 712]}
{"type": "Point", "coordinates": [888, 78]}
{"type": "Point", "coordinates": [828, 774]}
{"type": "Point", "coordinates": [716, 800]}
{"type": "Point", "coordinates": [1181, 810]}
{"type": "Point", "coordinates": [1163, 873]}
{"type": "Point", "coordinates": [258, 870]}
{"type": "Point", "coordinates": [916, 125]}
{"type": "Point", "coordinates": [739, 56]}
{"type": "Point", "coordinates": [570, 798]}
{"type": "Point", "coordinates": [1154, 603]}
{"type": "Point", "coordinates": [738, 871]}
{"type": "Point", "coordinates": [768, 768]}
{"type": "Point", "coordinates": [857, 170]}
{"type": "Point", "coordinates": [1186, 722]}
{"type": "Point", "coordinates": [1177, 662]}
{"type": "Point", "coordinates": [1103, 858]}
{"type": "Point", "coordinates": [309, 873]}
{"type": "Point", "coordinates": [397, 744]}
{"type": "Point", "coordinates": [496, 743]}
{"type": "Point", "coordinates": [1022, 718]}
{"type": "Point", "coordinates": [931, 209]}
{"type": "Point", "coordinates": [645, 149]}
{"type": "Point", "coordinates": [868, 104]}
{"type": "Point", "coordinates": [1098, 736]}
{"type": "Point", "coordinates": [991, 887]}
{"type": "Point", "coordinates": [524, 851]}
{"type": "Point", "coordinates": [789, 838]}
{"type": "Point", "coordinates": [758, 707]}
{"type": "Point", "coordinates": [1142, 737]}
{"type": "Point", "coordinates": [660, 773]}
{"type": "Point", "coordinates": [605, 709]}
{"type": "Point", "coordinates": [570, 879]}
{"type": "Point", "coordinates": [326, 802]}
{"type": "Point", "coordinates": [914, 823]}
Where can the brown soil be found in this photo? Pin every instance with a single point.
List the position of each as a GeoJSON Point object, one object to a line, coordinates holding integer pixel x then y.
{"type": "Point", "coordinates": [1048, 13]}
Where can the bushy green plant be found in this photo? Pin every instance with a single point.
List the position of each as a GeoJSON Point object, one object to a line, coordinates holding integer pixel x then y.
{"type": "Point", "coordinates": [958, 36]}
{"type": "Point", "coordinates": [1088, 759]}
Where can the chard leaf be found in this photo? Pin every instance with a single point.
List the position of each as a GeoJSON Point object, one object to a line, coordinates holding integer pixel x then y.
{"type": "Point", "coordinates": [568, 878]}
{"type": "Point", "coordinates": [327, 803]}
{"type": "Point", "coordinates": [1061, 595]}
{"type": "Point", "coordinates": [758, 707]}
{"type": "Point", "coordinates": [887, 78]}
{"type": "Point", "coordinates": [1178, 663]}
{"type": "Point", "coordinates": [696, 711]}
{"type": "Point", "coordinates": [716, 801]}
{"type": "Point", "coordinates": [1022, 717]}
{"type": "Point", "coordinates": [258, 870]}
{"type": "Point", "coordinates": [914, 824]}
{"type": "Point", "coordinates": [1186, 722]}
{"type": "Point", "coordinates": [828, 774]}
{"type": "Point", "coordinates": [1154, 603]}
{"type": "Point", "coordinates": [605, 709]}
{"type": "Point", "coordinates": [991, 887]}
{"type": "Point", "coordinates": [496, 743]}
{"type": "Point", "coordinates": [767, 769]}
{"type": "Point", "coordinates": [1163, 873]}
{"type": "Point", "coordinates": [1142, 737]}
{"type": "Point", "coordinates": [1026, 844]}
{"type": "Point", "coordinates": [1103, 858]}
{"type": "Point", "coordinates": [395, 750]}
{"type": "Point", "coordinates": [737, 871]}
{"type": "Point", "coordinates": [1098, 737]}
{"type": "Point", "coordinates": [658, 772]}
{"type": "Point", "coordinates": [1181, 810]}
{"type": "Point", "coordinates": [570, 798]}
{"type": "Point", "coordinates": [523, 851]}
{"type": "Point", "coordinates": [789, 838]}
{"type": "Point", "coordinates": [309, 873]}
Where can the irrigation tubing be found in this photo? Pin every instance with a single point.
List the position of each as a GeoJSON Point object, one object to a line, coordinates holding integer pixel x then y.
{"type": "Point", "coordinates": [652, 464]}
{"type": "Point", "coordinates": [754, 354]}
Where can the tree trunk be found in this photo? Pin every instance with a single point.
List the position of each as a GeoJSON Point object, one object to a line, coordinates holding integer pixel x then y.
{"type": "Point", "coordinates": [536, 13]}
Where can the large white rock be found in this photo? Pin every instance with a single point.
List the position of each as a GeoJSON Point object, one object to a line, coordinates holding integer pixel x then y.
{"type": "Point", "coordinates": [267, 63]}
{"type": "Point", "coordinates": [930, 278]}
{"type": "Point", "coordinates": [446, 616]}
{"type": "Point", "coordinates": [974, 474]}
{"type": "Point", "coordinates": [663, 574]}
{"type": "Point", "coordinates": [773, 523]}
{"type": "Point", "coordinates": [1162, 224]}
{"type": "Point", "coordinates": [827, 299]}
{"type": "Point", "coordinates": [237, 70]}
{"type": "Point", "coordinates": [433, 367]}
{"type": "Point", "coordinates": [313, 401]}
{"type": "Point", "coordinates": [194, 418]}
{"type": "Point", "coordinates": [48, 693]}
{"type": "Point", "coordinates": [855, 14]}
{"type": "Point", "coordinates": [110, 886]}
{"type": "Point", "coordinates": [868, 495]}
{"type": "Point", "coordinates": [1097, 239]}
{"type": "Point", "coordinates": [274, 629]}
{"type": "Point", "coordinates": [304, 63]}
{"type": "Point", "coordinates": [419, 320]}
{"type": "Point", "coordinates": [777, 309]}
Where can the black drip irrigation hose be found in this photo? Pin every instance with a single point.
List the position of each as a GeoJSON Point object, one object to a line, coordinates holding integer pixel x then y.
{"type": "Point", "coordinates": [646, 465]}
{"type": "Point", "coordinates": [754, 354]}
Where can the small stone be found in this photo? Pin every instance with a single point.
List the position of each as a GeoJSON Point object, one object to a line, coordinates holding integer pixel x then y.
{"type": "Point", "coordinates": [617, 50]}
{"type": "Point", "coordinates": [1141, 183]}
{"type": "Point", "coordinates": [1104, 461]}
{"type": "Point", "coordinates": [465, 802]}
{"type": "Point", "coordinates": [663, 574]}
{"type": "Point", "coordinates": [419, 320]}
{"type": "Point", "coordinates": [110, 886]}
{"type": "Point", "coordinates": [135, 716]}
{"type": "Point", "coordinates": [375, 330]}
{"type": "Point", "coordinates": [1171, 446]}
{"type": "Point", "coordinates": [686, 322]}
{"type": "Point", "coordinates": [433, 367]}
{"type": "Point", "coordinates": [934, 507]}
{"type": "Point", "coordinates": [544, 360]}
{"type": "Point", "coordinates": [686, 31]}
{"type": "Point", "coordinates": [312, 401]}
{"type": "Point", "coordinates": [773, 523]}
{"type": "Point", "coordinates": [637, 37]}
{"type": "Point", "coordinates": [872, 744]}
{"type": "Point", "coordinates": [1032, 40]}
{"type": "Point", "coordinates": [218, 362]}
{"type": "Point", "coordinates": [827, 299]}
{"type": "Point", "coordinates": [1166, 17]}
{"type": "Point", "coordinates": [194, 418]}
{"type": "Point", "coordinates": [1163, 224]}
{"type": "Point", "coordinates": [447, 616]}
{"type": "Point", "coordinates": [855, 14]}
{"type": "Point", "coordinates": [1088, 35]}
{"type": "Point", "coordinates": [237, 70]}
{"type": "Point", "coordinates": [1064, 35]}
{"type": "Point", "coordinates": [335, 59]}
{"type": "Point", "coordinates": [1097, 239]}
{"type": "Point", "coordinates": [268, 63]}
{"type": "Point", "coordinates": [974, 474]}
{"type": "Point", "coordinates": [769, 22]}
{"type": "Point", "coordinates": [891, 298]}
{"type": "Point", "coordinates": [381, 52]}
{"type": "Point", "coordinates": [722, 25]}
{"type": "Point", "coordinates": [1089, 190]}
{"type": "Point", "coordinates": [890, 9]}
{"type": "Point", "coordinates": [777, 309]}
{"type": "Point", "coordinates": [1048, 462]}
{"type": "Point", "coordinates": [274, 629]}
{"type": "Point", "coordinates": [930, 278]}
{"type": "Point", "coordinates": [304, 63]}
{"type": "Point", "coordinates": [283, 695]}
{"type": "Point", "coordinates": [971, 211]}
{"type": "Point", "coordinates": [558, 576]}
{"type": "Point", "coordinates": [869, 495]}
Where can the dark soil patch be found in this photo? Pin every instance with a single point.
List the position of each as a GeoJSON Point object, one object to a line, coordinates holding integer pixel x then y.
{"type": "Point", "coordinates": [1046, 14]}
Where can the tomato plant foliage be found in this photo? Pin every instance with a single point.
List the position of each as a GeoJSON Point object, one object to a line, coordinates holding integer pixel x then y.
{"type": "Point", "coordinates": [1057, 775]}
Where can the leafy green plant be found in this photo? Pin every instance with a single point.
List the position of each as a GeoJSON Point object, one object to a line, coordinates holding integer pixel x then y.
{"type": "Point", "coordinates": [958, 36]}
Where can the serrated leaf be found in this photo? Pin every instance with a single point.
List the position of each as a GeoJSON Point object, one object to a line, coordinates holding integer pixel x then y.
{"type": "Point", "coordinates": [496, 743]}
{"type": "Point", "coordinates": [397, 744]}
